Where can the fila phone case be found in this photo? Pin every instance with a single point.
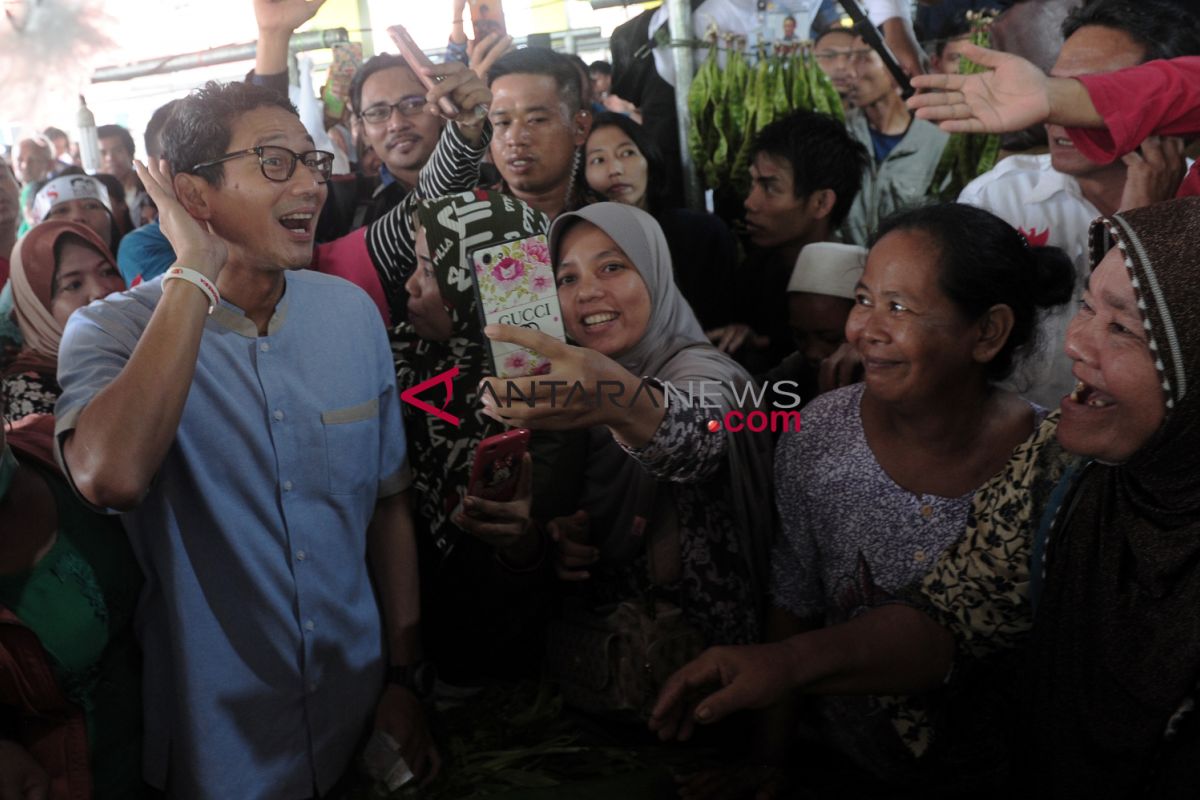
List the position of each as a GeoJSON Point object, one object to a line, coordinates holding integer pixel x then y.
{"type": "Point", "coordinates": [514, 284]}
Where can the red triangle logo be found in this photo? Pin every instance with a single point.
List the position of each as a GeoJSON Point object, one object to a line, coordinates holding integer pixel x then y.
{"type": "Point", "coordinates": [410, 395]}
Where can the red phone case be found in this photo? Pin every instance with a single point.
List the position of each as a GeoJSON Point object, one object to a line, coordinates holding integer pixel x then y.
{"type": "Point", "coordinates": [497, 467]}
{"type": "Point", "coordinates": [419, 61]}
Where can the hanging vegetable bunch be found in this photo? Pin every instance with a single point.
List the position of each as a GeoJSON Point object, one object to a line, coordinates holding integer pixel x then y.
{"type": "Point", "coordinates": [968, 155]}
{"type": "Point", "coordinates": [730, 106]}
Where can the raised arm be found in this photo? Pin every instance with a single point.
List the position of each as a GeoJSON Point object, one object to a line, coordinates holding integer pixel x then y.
{"type": "Point", "coordinates": [277, 21]}
{"type": "Point", "coordinates": [122, 436]}
{"type": "Point", "coordinates": [1013, 95]}
{"type": "Point", "coordinates": [452, 167]}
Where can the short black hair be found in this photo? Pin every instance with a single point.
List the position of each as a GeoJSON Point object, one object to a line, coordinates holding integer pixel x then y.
{"type": "Point", "coordinates": [200, 127]}
{"type": "Point", "coordinates": [658, 188]}
{"type": "Point", "coordinates": [835, 28]}
{"type": "Point", "coordinates": [540, 61]}
{"type": "Point", "coordinates": [1163, 27]}
{"type": "Point", "coordinates": [983, 261]}
{"type": "Point", "coordinates": [600, 68]}
{"type": "Point", "coordinates": [822, 154]}
{"type": "Point", "coordinates": [53, 134]}
{"type": "Point", "coordinates": [117, 132]}
{"type": "Point", "coordinates": [154, 128]}
{"type": "Point", "coordinates": [954, 27]}
{"type": "Point", "coordinates": [374, 64]}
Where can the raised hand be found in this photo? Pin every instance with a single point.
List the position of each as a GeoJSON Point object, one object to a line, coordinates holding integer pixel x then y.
{"type": "Point", "coordinates": [466, 90]}
{"type": "Point", "coordinates": [1013, 96]}
{"type": "Point", "coordinates": [1153, 172]}
{"type": "Point", "coordinates": [195, 244]}
{"type": "Point", "coordinates": [485, 52]}
{"type": "Point", "coordinates": [285, 15]}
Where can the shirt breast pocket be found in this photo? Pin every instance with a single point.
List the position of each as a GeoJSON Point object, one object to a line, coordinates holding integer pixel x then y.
{"type": "Point", "coordinates": [352, 447]}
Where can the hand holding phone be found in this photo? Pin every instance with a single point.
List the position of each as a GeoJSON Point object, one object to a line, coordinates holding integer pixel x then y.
{"type": "Point", "coordinates": [419, 62]}
{"type": "Point", "coordinates": [454, 77]}
{"type": "Point", "coordinates": [497, 467]}
{"type": "Point", "coordinates": [496, 510]}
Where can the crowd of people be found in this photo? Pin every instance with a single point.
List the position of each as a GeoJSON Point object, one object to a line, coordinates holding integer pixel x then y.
{"type": "Point", "coordinates": [248, 397]}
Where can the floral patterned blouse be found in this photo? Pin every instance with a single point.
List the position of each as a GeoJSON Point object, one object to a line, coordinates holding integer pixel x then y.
{"type": "Point", "coordinates": [714, 587]}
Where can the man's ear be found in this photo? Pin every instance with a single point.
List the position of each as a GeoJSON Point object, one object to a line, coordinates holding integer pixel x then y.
{"type": "Point", "coordinates": [193, 192]}
{"type": "Point", "coordinates": [582, 126]}
{"type": "Point", "coordinates": [994, 328]}
{"type": "Point", "coordinates": [821, 203]}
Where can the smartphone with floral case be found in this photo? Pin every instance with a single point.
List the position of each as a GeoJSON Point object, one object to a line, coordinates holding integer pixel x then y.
{"type": "Point", "coordinates": [514, 284]}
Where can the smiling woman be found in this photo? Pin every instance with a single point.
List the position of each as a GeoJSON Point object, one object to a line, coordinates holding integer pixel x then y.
{"type": "Point", "coordinates": [623, 164]}
{"type": "Point", "coordinates": [866, 493]}
{"type": "Point", "coordinates": [57, 268]}
{"type": "Point", "coordinates": [654, 467]}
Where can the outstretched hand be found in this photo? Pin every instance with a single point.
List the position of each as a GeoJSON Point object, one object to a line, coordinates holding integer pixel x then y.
{"type": "Point", "coordinates": [567, 397]}
{"type": "Point", "coordinates": [285, 15]}
{"type": "Point", "coordinates": [195, 244]}
{"type": "Point", "coordinates": [1011, 97]}
{"type": "Point", "coordinates": [748, 676]}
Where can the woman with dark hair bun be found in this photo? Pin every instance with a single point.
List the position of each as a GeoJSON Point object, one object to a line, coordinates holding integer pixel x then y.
{"type": "Point", "coordinates": [623, 165]}
{"type": "Point", "coordinates": [887, 474]}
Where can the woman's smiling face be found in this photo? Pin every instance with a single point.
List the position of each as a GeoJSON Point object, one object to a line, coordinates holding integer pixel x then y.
{"type": "Point", "coordinates": [1118, 402]}
{"type": "Point", "coordinates": [913, 339]}
{"type": "Point", "coordinates": [615, 167]}
{"type": "Point", "coordinates": [605, 302]}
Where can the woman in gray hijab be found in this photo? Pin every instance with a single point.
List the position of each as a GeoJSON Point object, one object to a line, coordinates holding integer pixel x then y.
{"type": "Point", "coordinates": [670, 447]}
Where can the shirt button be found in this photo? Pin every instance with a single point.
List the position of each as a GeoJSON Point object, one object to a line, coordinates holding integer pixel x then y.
{"type": "Point", "coordinates": [310, 625]}
{"type": "Point", "coordinates": [265, 346]}
{"type": "Point", "coordinates": [287, 486]}
{"type": "Point", "coordinates": [926, 511]}
{"type": "Point", "coordinates": [278, 415]}
{"type": "Point", "coordinates": [301, 555]}
{"type": "Point", "coordinates": [919, 556]}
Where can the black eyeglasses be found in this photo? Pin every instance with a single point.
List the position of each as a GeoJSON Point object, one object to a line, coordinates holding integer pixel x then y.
{"type": "Point", "coordinates": [279, 163]}
{"type": "Point", "coordinates": [382, 112]}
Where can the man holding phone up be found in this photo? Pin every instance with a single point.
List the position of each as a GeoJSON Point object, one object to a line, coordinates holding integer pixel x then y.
{"type": "Point", "coordinates": [243, 415]}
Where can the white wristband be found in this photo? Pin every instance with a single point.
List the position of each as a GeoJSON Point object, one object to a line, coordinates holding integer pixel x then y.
{"type": "Point", "coordinates": [198, 280]}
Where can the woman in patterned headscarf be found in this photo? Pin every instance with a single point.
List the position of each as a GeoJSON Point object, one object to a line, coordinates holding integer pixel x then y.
{"type": "Point", "coordinates": [481, 563]}
{"type": "Point", "coordinates": [58, 267]}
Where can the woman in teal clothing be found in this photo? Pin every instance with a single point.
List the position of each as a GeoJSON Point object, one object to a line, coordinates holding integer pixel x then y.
{"type": "Point", "coordinates": [69, 667]}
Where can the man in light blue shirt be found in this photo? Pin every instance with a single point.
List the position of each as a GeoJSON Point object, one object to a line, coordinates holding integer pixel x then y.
{"type": "Point", "coordinates": [255, 447]}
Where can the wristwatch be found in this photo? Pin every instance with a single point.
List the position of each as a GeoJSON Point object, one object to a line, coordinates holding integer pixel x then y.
{"type": "Point", "coordinates": [418, 677]}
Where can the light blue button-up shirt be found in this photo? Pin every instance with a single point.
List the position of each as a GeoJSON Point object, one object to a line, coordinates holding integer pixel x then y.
{"type": "Point", "coordinates": [262, 637]}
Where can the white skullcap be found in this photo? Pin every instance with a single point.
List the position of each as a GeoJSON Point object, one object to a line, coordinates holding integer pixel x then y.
{"type": "Point", "coordinates": [828, 268]}
{"type": "Point", "coordinates": [69, 187]}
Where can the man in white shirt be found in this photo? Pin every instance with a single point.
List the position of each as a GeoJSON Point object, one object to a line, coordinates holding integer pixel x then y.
{"type": "Point", "coordinates": [1053, 198]}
